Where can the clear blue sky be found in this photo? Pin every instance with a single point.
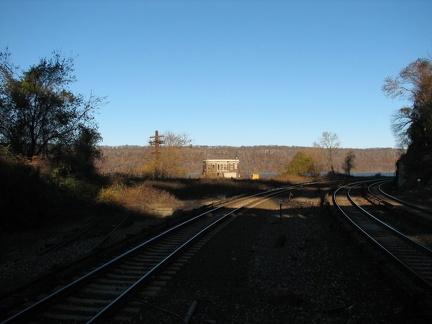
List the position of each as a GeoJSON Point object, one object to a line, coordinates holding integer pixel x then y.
{"type": "Point", "coordinates": [237, 73]}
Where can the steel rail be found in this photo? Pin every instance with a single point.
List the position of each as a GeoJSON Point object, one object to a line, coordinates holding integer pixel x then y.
{"type": "Point", "coordinates": [62, 292]}
{"type": "Point", "coordinates": [389, 229]}
{"type": "Point", "coordinates": [111, 232]}
{"type": "Point", "coordinates": [421, 213]}
{"type": "Point", "coordinates": [403, 202]}
{"type": "Point", "coordinates": [72, 237]}
{"type": "Point", "coordinates": [126, 295]}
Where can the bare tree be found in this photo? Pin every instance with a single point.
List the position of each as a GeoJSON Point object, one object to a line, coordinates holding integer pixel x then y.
{"type": "Point", "coordinates": [169, 160]}
{"type": "Point", "coordinates": [348, 163]}
{"type": "Point", "coordinates": [414, 82]}
{"type": "Point", "coordinates": [412, 125]}
{"type": "Point", "coordinates": [172, 139]}
{"type": "Point", "coordinates": [328, 141]}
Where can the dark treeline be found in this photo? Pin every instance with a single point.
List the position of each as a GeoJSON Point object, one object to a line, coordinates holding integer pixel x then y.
{"type": "Point", "coordinates": [253, 159]}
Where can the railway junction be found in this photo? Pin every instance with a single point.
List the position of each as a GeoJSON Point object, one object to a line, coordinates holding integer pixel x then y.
{"type": "Point", "coordinates": [285, 258]}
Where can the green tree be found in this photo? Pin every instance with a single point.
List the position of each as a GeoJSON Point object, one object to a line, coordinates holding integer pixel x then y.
{"type": "Point", "coordinates": [349, 162]}
{"type": "Point", "coordinates": [301, 164]}
{"type": "Point", "coordinates": [80, 157]}
{"type": "Point", "coordinates": [328, 141]}
{"type": "Point", "coordinates": [40, 115]}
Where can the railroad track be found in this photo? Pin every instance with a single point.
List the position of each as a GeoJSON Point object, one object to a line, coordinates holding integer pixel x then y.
{"type": "Point", "coordinates": [107, 291]}
{"type": "Point", "coordinates": [416, 211]}
{"type": "Point", "coordinates": [93, 228]}
{"type": "Point", "coordinates": [411, 259]}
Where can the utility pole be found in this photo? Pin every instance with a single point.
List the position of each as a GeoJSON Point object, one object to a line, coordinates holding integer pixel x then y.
{"type": "Point", "coordinates": [156, 141]}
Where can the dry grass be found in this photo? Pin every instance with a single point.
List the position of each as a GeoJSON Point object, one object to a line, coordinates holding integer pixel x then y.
{"type": "Point", "coordinates": [142, 198]}
{"type": "Point", "coordinates": [147, 196]}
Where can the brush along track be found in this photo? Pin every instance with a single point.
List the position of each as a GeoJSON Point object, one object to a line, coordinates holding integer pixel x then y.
{"type": "Point", "coordinates": [103, 291]}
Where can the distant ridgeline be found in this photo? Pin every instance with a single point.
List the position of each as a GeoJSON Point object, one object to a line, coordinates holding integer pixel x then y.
{"type": "Point", "coordinates": [252, 159]}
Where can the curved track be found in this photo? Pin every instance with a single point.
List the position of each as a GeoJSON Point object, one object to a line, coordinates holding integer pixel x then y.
{"type": "Point", "coordinates": [107, 290]}
{"type": "Point", "coordinates": [415, 259]}
{"type": "Point", "coordinates": [416, 210]}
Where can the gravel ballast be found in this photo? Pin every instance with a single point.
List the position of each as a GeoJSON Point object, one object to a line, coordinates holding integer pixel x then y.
{"type": "Point", "coordinates": [261, 268]}
{"type": "Point", "coordinates": [302, 268]}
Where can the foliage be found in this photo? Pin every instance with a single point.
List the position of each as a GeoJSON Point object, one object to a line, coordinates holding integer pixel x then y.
{"type": "Point", "coordinates": [302, 164]}
{"type": "Point", "coordinates": [143, 195]}
{"type": "Point", "coordinates": [412, 125]}
{"type": "Point", "coordinates": [74, 187]}
{"type": "Point", "coordinates": [33, 194]}
{"type": "Point", "coordinates": [137, 196]}
{"type": "Point", "coordinates": [136, 160]}
{"type": "Point", "coordinates": [172, 139]}
{"type": "Point", "coordinates": [349, 162]}
{"type": "Point", "coordinates": [329, 141]}
{"type": "Point", "coordinates": [81, 155]}
{"type": "Point", "coordinates": [167, 160]}
{"type": "Point", "coordinates": [40, 115]}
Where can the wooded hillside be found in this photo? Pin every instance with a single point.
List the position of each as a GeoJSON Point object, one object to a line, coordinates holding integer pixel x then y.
{"type": "Point", "coordinates": [253, 159]}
